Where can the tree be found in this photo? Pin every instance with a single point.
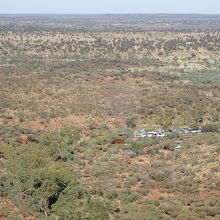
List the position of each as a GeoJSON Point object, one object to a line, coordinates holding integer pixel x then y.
{"type": "Point", "coordinates": [39, 184]}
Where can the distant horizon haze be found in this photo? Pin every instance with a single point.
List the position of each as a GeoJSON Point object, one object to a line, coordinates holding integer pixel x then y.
{"type": "Point", "coordinates": [156, 14]}
{"type": "Point", "coordinates": [110, 7]}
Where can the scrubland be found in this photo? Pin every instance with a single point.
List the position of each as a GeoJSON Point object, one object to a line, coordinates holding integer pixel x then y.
{"type": "Point", "coordinates": [73, 91]}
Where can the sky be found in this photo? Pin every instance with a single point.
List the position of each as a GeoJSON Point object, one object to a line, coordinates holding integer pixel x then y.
{"type": "Point", "coordinates": [109, 6]}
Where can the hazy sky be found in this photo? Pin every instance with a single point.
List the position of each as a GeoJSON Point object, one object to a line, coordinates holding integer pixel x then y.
{"type": "Point", "coordinates": [110, 6]}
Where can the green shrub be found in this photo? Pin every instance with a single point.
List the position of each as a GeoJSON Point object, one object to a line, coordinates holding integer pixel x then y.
{"type": "Point", "coordinates": [5, 211]}
{"type": "Point", "coordinates": [105, 137]}
{"type": "Point", "coordinates": [129, 154]}
{"type": "Point", "coordinates": [131, 122]}
{"type": "Point", "coordinates": [34, 181]}
{"type": "Point", "coordinates": [215, 169]}
{"type": "Point", "coordinates": [173, 155]}
{"type": "Point", "coordinates": [210, 128]}
{"type": "Point", "coordinates": [160, 175]}
{"type": "Point", "coordinates": [169, 145]}
{"type": "Point", "coordinates": [127, 198]}
{"type": "Point", "coordinates": [112, 195]}
{"type": "Point", "coordinates": [14, 218]}
{"type": "Point", "coordinates": [215, 116]}
{"type": "Point", "coordinates": [138, 147]}
{"type": "Point", "coordinates": [60, 144]}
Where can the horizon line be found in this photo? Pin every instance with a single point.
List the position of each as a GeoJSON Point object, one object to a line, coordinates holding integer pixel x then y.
{"type": "Point", "coordinates": [109, 13]}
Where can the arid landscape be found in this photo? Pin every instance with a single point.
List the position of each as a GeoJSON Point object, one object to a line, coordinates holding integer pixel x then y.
{"type": "Point", "coordinates": [110, 117]}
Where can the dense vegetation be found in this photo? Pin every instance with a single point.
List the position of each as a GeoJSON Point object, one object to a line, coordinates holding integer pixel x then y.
{"type": "Point", "coordinates": [73, 92]}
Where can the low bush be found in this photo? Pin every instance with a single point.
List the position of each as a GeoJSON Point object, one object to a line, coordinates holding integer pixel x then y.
{"type": "Point", "coordinates": [160, 175]}
{"type": "Point", "coordinates": [131, 122]}
{"type": "Point", "coordinates": [37, 183]}
{"type": "Point", "coordinates": [210, 128]}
